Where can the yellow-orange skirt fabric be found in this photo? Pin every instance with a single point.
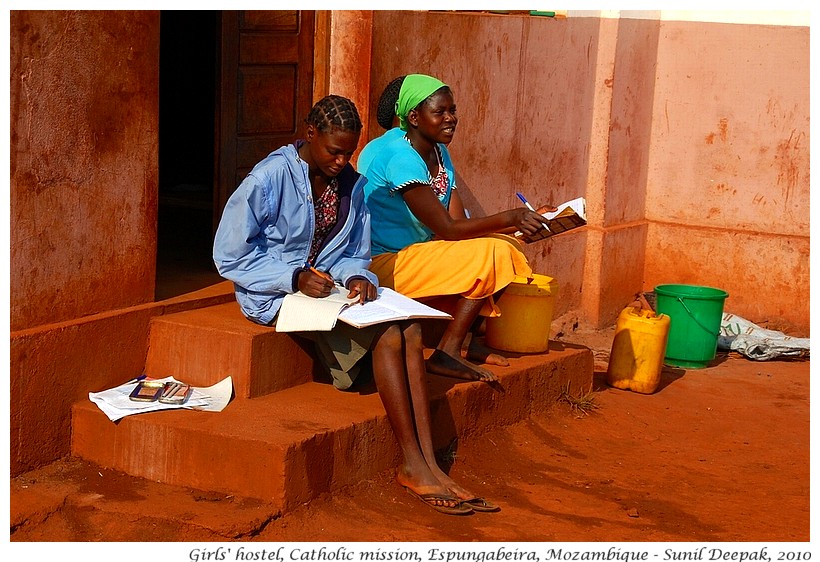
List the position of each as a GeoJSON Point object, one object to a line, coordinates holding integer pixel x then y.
{"type": "Point", "coordinates": [475, 268]}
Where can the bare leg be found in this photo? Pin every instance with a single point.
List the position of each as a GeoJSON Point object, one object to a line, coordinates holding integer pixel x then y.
{"type": "Point", "coordinates": [421, 408]}
{"type": "Point", "coordinates": [391, 381]}
{"type": "Point", "coordinates": [446, 359]}
{"type": "Point", "coordinates": [483, 354]}
{"type": "Point", "coordinates": [479, 352]}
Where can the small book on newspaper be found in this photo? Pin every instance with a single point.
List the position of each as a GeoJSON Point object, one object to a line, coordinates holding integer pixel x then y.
{"type": "Point", "coordinates": [568, 216]}
{"type": "Point", "coordinates": [301, 313]}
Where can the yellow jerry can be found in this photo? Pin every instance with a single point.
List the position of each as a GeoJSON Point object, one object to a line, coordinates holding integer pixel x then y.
{"type": "Point", "coordinates": [638, 349]}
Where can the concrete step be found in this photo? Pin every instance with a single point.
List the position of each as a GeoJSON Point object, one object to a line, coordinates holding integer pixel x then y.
{"type": "Point", "coordinates": [205, 345]}
{"type": "Point", "coordinates": [289, 446]}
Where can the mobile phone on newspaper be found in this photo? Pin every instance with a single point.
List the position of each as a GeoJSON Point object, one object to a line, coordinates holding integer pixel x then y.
{"type": "Point", "coordinates": [147, 391]}
{"type": "Point", "coordinates": [175, 393]}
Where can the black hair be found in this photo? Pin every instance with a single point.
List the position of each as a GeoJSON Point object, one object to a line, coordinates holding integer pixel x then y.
{"type": "Point", "coordinates": [334, 112]}
{"type": "Point", "coordinates": [386, 110]}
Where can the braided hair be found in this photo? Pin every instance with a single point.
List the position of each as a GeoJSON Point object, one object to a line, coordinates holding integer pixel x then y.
{"type": "Point", "coordinates": [386, 110]}
{"type": "Point", "coordinates": [334, 112]}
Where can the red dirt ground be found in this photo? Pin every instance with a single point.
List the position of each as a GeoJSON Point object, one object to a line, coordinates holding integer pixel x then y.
{"type": "Point", "coordinates": [715, 455]}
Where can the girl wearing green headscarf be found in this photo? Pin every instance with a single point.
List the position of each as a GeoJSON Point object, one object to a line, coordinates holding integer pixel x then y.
{"type": "Point", "coordinates": [423, 243]}
{"type": "Point", "coordinates": [415, 89]}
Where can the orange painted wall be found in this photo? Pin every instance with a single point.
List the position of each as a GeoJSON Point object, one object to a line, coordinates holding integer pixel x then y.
{"type": "Point", "coordinates": [84, 111]}
{"type": "Point", "coordinates": [728, 173]}
{"type": "Point", "coordinates": [350, 40]}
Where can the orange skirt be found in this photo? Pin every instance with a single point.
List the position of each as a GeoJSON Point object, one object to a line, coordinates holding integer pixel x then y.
{"type": "Point", "coordinates": [476, 268]}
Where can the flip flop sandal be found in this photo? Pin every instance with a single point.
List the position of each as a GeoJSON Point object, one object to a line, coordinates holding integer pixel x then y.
{"type": "Point", "coordinates": [430, 500]}
{"type": "Point", "coordinates": [480, 504]}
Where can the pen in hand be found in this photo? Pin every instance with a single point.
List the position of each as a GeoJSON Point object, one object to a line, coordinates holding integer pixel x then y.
{"type": "Point", "coordinates": [317, 284]}
{"type": "Point", "coordinates": [321, 274]}
{"type": "Point", "coordinates": [527, 203]}
{"type": "Point", "coordinates": [524, 200]}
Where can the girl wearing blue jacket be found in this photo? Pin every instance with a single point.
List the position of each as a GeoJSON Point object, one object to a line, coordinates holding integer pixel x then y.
{"type": "Point", "coordinates": [298, 222]}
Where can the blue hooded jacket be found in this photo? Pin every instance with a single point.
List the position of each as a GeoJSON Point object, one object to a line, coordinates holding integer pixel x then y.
{"type": "Point", "coordinates": [264, 236]}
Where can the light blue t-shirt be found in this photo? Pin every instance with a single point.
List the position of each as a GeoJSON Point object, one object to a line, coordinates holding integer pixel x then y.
{"type": "Point", "coordinates": [390, 163]}
{"type": "Point", "coordinates": [372, 148]}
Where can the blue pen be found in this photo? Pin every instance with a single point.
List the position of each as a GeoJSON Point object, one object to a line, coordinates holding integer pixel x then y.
{"type": "Point", "coordinates": [524, 200]}
{"type": "Point", "coordinates": [527, 203]}
{"type": "Point", "coordinates": [138, 379]}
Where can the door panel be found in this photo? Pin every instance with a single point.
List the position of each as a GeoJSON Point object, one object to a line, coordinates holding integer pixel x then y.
{"type": "Point", "coordinates": [266, 87]}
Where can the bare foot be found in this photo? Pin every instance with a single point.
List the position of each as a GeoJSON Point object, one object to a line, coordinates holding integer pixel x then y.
{"type": "Point", "coordinates": [451, 484]}
{"type": "Point", "coordinates": [441, 363]}
{"type": "Point", "coordinates": [479, 352]}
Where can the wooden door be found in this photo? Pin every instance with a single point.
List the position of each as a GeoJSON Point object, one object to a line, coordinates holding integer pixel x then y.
{"type": "Point", "coordinates": [265, 90]}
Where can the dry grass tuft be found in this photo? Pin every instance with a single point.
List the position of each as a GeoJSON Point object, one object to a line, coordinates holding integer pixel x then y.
{"type": "Point", "coordinates": [581, 404]}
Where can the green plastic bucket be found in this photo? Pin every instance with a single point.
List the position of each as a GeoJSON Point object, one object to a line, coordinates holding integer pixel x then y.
{"type": "Point", "coordinates": [694, 323]}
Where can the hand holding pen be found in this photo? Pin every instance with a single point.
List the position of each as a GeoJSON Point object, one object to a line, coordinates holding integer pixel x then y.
{"type": "Point", "coordinates": [533, 221]}
{"type": "Point", "coordinates": [315, 283]}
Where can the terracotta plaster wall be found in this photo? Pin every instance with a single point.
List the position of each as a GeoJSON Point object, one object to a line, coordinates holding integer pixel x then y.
{"type": "Point", "coordinates": [350, 48]}
{"type": "Point", "coordinates": [55, 366]}
{"type": "Point", "coordinates": [84, 110]}
{"type": "Point", "coordinates": [728, 186]}
{"type": "Point", "coordinates": [624, 57]}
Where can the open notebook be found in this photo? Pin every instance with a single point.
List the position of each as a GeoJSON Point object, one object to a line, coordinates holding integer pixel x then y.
{"type": "Point", "coordinates": [301, 313]}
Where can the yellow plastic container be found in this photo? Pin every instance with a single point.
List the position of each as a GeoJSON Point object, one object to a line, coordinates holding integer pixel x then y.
{"type": "Point", "coordinates": [526, 316]}
{"type": "Point", "coordinates": [638, 348]}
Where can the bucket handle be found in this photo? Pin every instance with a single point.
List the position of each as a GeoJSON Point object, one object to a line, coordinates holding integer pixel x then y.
{"type": "Point", "coordinates": [695, 318]}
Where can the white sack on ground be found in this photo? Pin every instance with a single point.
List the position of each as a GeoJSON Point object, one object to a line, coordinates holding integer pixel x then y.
{"type": "Point", "coordinates": [749, 339]}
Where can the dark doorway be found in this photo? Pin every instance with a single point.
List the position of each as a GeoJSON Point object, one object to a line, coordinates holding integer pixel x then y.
{"type": "Point", "coordinates": [189, 47]}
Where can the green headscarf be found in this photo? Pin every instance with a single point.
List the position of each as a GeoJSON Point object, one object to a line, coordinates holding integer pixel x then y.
{"type": "Point", "coordinates": [415, 89]}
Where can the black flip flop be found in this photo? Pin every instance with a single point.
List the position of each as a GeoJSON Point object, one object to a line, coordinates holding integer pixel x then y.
{"type": "Point", "coordinates": [429, 499]}
{"type": "Point", "coordinates": [480, 504]}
